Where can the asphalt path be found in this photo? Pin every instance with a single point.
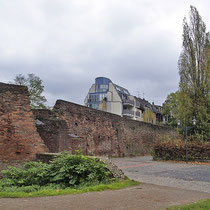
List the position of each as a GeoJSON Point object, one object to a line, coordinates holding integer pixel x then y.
{"type": "Point", "coordinates": [180, 175]}
{"type": "Point", "coordinates": [141, 197]}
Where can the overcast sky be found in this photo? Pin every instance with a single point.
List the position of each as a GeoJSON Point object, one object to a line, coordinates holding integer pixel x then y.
{"type": "Point", "coordinates": [68, 43]}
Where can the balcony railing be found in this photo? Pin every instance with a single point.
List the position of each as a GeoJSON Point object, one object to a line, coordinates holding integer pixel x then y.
{"type": "Point", "coordinates": [138, 114]}
{"type": "Point", "coordinates": [132, 103]}
{"type": "Point", "coordinates": [131, 113]}
{"type": "Point", "coordinates": [128, 101]}
{"type": "Point", "coordinates": [138, 104]}
{"type": "Point", "coordinates": [128, 112]}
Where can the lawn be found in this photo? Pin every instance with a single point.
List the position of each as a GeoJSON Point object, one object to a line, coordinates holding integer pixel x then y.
{"type": "Point", "coordinates": [202, 204]}
{"type": "Point", "coordinates": [52, 191]}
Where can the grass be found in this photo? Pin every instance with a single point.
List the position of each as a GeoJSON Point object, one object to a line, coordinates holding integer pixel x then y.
{"type": "Point", "coordinates": [202, 204]}
{"type": "Point", "coordinates": [52, 192]}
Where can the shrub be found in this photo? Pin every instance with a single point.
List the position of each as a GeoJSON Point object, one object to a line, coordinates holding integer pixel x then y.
{"type": "Point", "coordinates": [66, 170]}
{"type": "Point", "coordinates": [32, 173]}
{"type": "Point", "coordinates": [74, 170]}
{"type": "Point", "coordinates": [176, 150]}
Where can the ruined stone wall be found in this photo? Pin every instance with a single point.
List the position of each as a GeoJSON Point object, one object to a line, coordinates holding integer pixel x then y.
{"type": "Point", "coordinates": [19, 139]}
{"type": "Point", "coordinates": [68, 126]}
{"type": "Point", "coordinates": [71, 126]}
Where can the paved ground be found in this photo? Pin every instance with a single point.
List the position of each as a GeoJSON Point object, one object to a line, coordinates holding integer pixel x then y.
{"type": "Point", "coordinates": [179, 175]}
{"type": "Point", "coordinates": [143, 197]}
{"type": "Point", "coordinates": [158, 195]}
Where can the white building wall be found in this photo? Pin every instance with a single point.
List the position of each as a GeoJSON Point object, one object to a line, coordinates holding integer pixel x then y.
{"type": "Point", "coordinates": [91, 90]}
{"type": "Point", "coordinates": [115, 100]}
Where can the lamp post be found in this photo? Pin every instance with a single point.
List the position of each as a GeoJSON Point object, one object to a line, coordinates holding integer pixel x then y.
{"type": "Point", "coordinates": [187, 128]}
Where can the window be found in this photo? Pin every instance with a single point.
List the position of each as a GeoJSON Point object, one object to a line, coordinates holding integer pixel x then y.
{"type": "Point", "coordinates": [102, 96]}
{"type": "Point", "coordinates": [102, 88]}
{"type": "Point", "coordinates": [126, 92]}
{"type": "Point", "coordinates": [97, 97]}
{"type": "Point", "coordinates": [118, 89]}
{"type": "Point", "coordinates": [95, 106]}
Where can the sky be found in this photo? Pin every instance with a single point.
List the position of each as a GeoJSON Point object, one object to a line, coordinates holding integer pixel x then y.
{"type": "Point", "coordinates": [68, 43]}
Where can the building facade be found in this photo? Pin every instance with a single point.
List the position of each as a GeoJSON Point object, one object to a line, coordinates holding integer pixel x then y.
{"type": "Point", "coordinates": [107, 96]}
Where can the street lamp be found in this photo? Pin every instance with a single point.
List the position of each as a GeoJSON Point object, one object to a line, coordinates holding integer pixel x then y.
{"type": "Point", "coordinates": [187, 128]}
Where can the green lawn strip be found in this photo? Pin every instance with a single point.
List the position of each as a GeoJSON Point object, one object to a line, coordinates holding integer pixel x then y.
{"type": "Point", "coordinates": [202, 204]}
{"type": "Point", "coordinates": [51, 192]}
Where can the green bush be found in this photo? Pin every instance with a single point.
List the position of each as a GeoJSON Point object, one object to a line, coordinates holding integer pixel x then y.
{"type": "Point", "coordinates": [176, 150]}
{"type": "Point", "coordinates": [66, 170]}
{"type": "Point", "coordinates": [74, 170]}
{"type": "Point", "coordinates": [32, 173]}
{"type": "Point", "coordinates": [26, 189]}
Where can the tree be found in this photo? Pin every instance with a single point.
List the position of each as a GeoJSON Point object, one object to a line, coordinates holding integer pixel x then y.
{"type": "Point", "coordinates": [35, 88]}
{"type": "Point", "coordinates": [103, 105]}
{"type": "Point", "coordinates": [194, 59]}
{"type": "Point", "coordinates": [149, 116]}
{"type": "Point", "coordinates": [193, 96]}
{"type": "Point", "coordinates": [170, 109]}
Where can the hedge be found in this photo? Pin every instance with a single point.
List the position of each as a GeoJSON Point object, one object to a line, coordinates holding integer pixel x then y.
{"type": "Point", "coordinates": [176, 150]}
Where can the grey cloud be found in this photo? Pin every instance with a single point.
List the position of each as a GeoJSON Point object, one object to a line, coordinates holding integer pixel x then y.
{"type": "Point", "coordinates": [69, 43]}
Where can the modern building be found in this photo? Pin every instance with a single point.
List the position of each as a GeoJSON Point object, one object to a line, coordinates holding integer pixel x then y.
{"type": "Point", "coordinates": [107, 96]}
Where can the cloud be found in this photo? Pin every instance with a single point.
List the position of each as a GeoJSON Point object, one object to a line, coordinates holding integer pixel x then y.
{"type": "Point", "coordinates": [68, 43]}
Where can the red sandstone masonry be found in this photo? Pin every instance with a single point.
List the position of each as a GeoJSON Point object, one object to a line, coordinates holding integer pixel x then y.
{"type": "Point", "coordinates": [19, 139]}
{"type": "Point", "coordinates": [68, 126]}
{"type": "Point", "coordinates": [97, 132]}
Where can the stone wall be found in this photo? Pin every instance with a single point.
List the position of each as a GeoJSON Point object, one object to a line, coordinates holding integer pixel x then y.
{"type": "Point", "coordinates": [68, 126]}
{"type": "Point", "coordinates": [71, 126]}
{"type": "Point", "coordinates": [19, 139]}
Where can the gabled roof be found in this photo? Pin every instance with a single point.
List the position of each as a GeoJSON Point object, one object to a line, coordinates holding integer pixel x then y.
{"type": "Point", "coordinates": [146, 104]}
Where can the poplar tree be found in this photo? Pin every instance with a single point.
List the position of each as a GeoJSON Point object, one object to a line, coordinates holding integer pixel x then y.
{"type": "Point", "coordinates": [194, 71]}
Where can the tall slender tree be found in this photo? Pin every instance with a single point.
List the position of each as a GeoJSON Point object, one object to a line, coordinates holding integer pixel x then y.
{"type": "Point", "coordinates": [194, 71]}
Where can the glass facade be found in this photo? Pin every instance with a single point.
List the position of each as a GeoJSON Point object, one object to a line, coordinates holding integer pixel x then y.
{"type": "Point", "coordinates": [94, 106]}
{"type": "Point", "coordinates": [123, 93]}
{"type": "Point", "coordinates": [101, 89]}
{"type": "Point", "coordinates": [125, 105]}
{"type": "Point", "coordinates": [97, 97]}
{"type": "Point", "coordinates": [102, 84]}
